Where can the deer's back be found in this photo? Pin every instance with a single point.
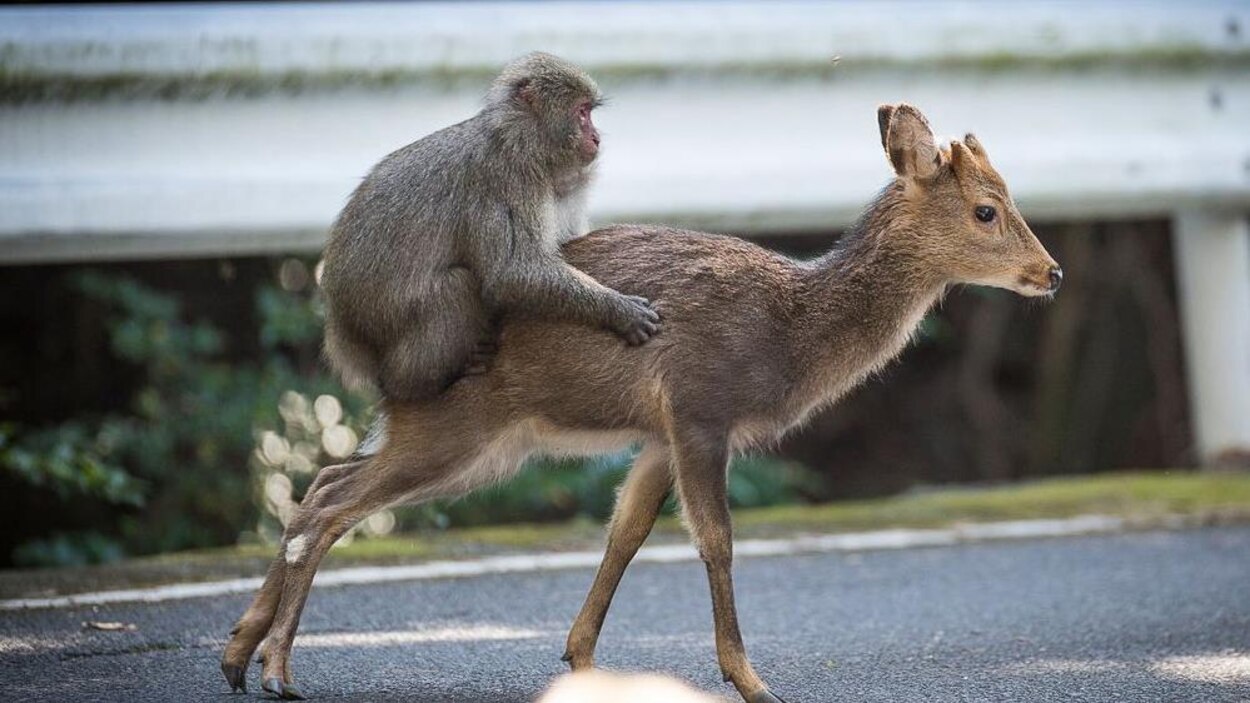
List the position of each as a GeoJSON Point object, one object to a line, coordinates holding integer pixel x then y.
{"type": "Point", "coordinates": [724, 347]}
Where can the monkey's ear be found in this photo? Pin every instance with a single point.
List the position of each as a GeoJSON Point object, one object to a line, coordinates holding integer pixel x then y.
{"type": "Point", "coordinates": [525, 93]}
{"type": "Point", "coordinates": [909, 143]}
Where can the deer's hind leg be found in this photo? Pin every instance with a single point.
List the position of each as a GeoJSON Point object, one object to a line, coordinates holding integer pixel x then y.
{"type": "Point", "coordinates": [251, 628]}
{"type": "Point", "coordinates": [415, 465]}
{"type": "Point", "coordinates": [638, 503]}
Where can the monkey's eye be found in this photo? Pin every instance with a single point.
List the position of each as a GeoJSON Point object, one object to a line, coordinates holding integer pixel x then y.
{"type": "Point", "coordinates": [984, 213]}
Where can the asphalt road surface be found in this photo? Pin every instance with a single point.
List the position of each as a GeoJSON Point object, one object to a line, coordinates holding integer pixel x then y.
{"type": "Point", "coordinates": [1160, 616]}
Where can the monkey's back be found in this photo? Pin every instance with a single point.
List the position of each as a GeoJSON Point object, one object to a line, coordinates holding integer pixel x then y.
{"type": "Point", "coordinates": [395, 227]}
{"type": "Point", "coordinates": [397, 234]}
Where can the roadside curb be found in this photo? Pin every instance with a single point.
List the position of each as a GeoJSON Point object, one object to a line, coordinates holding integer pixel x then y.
{"type": "Point", "coordinates": [538, 562]}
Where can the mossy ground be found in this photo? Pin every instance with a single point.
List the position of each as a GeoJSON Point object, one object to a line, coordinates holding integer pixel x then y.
{"type": "Point", "coordinates": [1145, 498]}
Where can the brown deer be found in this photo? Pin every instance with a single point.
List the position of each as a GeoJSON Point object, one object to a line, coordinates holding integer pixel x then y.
{"type": "Point", "coordinates": [753, 343]}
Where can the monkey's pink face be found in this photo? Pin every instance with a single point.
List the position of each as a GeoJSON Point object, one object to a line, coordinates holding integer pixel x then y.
{"type": "Point", "coordinates": [588, 136]}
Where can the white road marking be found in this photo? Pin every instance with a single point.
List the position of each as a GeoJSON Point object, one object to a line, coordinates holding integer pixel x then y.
{"type": "Point", "coordinates": [529, 563]}
{"type": "Point", "coordinates": [1227, 668]}
{"type": "Point", "coordinates": [468, 633]}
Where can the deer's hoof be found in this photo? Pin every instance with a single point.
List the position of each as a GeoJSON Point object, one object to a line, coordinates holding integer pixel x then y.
{"type": "Point", "coordinates": [283, 691]}
{"type": "Point", "coordinates": [578, 662]}
{"type": "Point", "coordinates": [764, 697]}
{"type": "Point", "coordinates": [236, 676]}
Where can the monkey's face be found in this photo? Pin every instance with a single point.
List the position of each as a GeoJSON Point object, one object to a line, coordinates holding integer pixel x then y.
{"type": "Point", "coordinates": [556, 98]}
{"type": "Point", "coordinates": [571, 131]}
{"type": "Point", "coordinates": [568, 131]}
{"type": "Point", "coordinates": [587, 135]}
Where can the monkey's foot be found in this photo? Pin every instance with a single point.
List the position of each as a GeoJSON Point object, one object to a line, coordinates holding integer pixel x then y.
{"type": "Point", "coordinates": [480, 358]}
{"type": "Point", "coordinates": [764, 697]}
{"type": "Point", "coordinates": [282, 690]}
{"type": "Point", "coordinates": [236, 676]}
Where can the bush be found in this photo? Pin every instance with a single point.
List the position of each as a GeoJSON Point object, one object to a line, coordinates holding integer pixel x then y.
{"type": "Point", "coordinates": [172, 471]}
{"type": "Point", "coordinates": [207, 451]}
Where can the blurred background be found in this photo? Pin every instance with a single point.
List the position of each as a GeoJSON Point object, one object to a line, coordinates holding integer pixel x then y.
{"type": "Point", "coordinates": [168, 174]}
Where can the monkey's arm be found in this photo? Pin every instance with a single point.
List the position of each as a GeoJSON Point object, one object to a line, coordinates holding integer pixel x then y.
{"type": "Point", "coordinates": [527, 276]}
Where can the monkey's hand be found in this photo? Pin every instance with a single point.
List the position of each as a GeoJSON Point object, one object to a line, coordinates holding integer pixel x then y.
{"type": "Point", "coordinates": [636, 320]}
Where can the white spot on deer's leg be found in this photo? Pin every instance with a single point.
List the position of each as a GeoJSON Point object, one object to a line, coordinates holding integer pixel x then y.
{"type": "Point", "coordinates": [295, 548]}
{"type": "Point", "coordinates": [375, 438]}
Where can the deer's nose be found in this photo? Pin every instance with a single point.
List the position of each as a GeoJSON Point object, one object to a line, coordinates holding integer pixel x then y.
{"type": "Point", "coordinates": [1056, 278]}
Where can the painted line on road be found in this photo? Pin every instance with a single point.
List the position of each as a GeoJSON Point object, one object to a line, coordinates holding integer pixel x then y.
{"type": "Point", "coordinates": [531, 563]}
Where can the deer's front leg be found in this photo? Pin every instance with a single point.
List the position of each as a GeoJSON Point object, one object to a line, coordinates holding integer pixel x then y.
{"type": "Point", "coordinates": [702, 460]}
{"type": "Point", "coordinates": [637, 506]}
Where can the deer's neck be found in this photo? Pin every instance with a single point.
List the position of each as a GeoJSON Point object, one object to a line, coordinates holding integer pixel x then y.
{"type": "Point", "coordinates": [861, 303]}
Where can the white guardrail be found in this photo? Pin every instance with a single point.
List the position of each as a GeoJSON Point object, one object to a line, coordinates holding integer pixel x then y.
{"type": "Point", "coordinates": [192, 130]}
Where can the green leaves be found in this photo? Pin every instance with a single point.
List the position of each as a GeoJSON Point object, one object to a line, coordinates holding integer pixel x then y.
{"type": "Point", "coordinates": [145, 326]}
{"type": "Point", "coordinates": [71, 461]}
{"type": "Point", "coordinates": [207, 449]}
{"type": "Point", "coordinates": [287, 319]}
{"type": "Point", "coordinates": [180, 448]}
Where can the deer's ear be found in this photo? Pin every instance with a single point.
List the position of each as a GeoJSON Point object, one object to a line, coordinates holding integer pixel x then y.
{"type": "Point", "coordinates": [910, 144]}
{"type": "Point", "coordinates": [974, 144]}
{"type": "Point", "coordinates": [884, 112]}
{"type": "Point", "coordinates": [963, 157]}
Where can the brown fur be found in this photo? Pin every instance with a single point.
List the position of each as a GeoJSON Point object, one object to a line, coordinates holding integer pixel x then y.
{"type": "Point", "coordinates": [754, 342]}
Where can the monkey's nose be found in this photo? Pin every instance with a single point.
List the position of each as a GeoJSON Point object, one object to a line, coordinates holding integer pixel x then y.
{"type": "Point", "coordinates": [1056, 278]}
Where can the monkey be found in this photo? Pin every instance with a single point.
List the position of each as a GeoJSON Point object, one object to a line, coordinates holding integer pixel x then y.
{"type": "Point", "coordinates": [447, 234]}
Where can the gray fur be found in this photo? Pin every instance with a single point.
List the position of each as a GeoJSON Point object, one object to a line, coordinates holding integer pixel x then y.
{"type": "Point", "coordinates": [447, 234]}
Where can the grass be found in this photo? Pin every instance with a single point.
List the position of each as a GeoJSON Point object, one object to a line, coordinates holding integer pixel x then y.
{"type": "Point", "coordinates": [1144, 498]}
{"type": "Point", "coordinates": [421, 546]}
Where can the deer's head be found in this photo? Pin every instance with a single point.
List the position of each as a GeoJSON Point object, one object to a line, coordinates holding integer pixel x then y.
{"type": "Point", "coordinates": [962, 218]}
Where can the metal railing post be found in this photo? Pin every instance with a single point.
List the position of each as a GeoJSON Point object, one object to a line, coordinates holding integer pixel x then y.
{"type": "Point", "coordinates": [1213, 271]}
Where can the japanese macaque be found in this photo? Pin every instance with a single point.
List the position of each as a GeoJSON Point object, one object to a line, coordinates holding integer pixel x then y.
{"type": "Point", "coordinates": [461, 227]}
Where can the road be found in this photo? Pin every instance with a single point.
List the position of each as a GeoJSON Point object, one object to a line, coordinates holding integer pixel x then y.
{"type": "Point", "coordinates": [1158, 616]}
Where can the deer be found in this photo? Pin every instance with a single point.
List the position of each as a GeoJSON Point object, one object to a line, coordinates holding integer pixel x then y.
{"type": "Point", "coordinates": [753, 344]}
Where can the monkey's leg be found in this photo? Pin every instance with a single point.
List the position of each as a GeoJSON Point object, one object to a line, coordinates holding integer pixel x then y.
{"type": "Point", "coordinates": [637, 506]}
{"type": "Point", "coordinates": [701, 461]}
{"type": "Point", "coordinates": [442, 342]}
{"type": "Point", "coordinates": [482, 356]}
{"type": "Point", "coordinates": [252, 626]}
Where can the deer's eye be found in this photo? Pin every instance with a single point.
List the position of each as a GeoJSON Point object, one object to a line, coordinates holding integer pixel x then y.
{"type": "Point", "coordinates": [984, 213]}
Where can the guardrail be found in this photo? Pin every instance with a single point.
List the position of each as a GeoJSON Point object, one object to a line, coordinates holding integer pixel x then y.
{"type": "Point", "coordinates": [191, 130]}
